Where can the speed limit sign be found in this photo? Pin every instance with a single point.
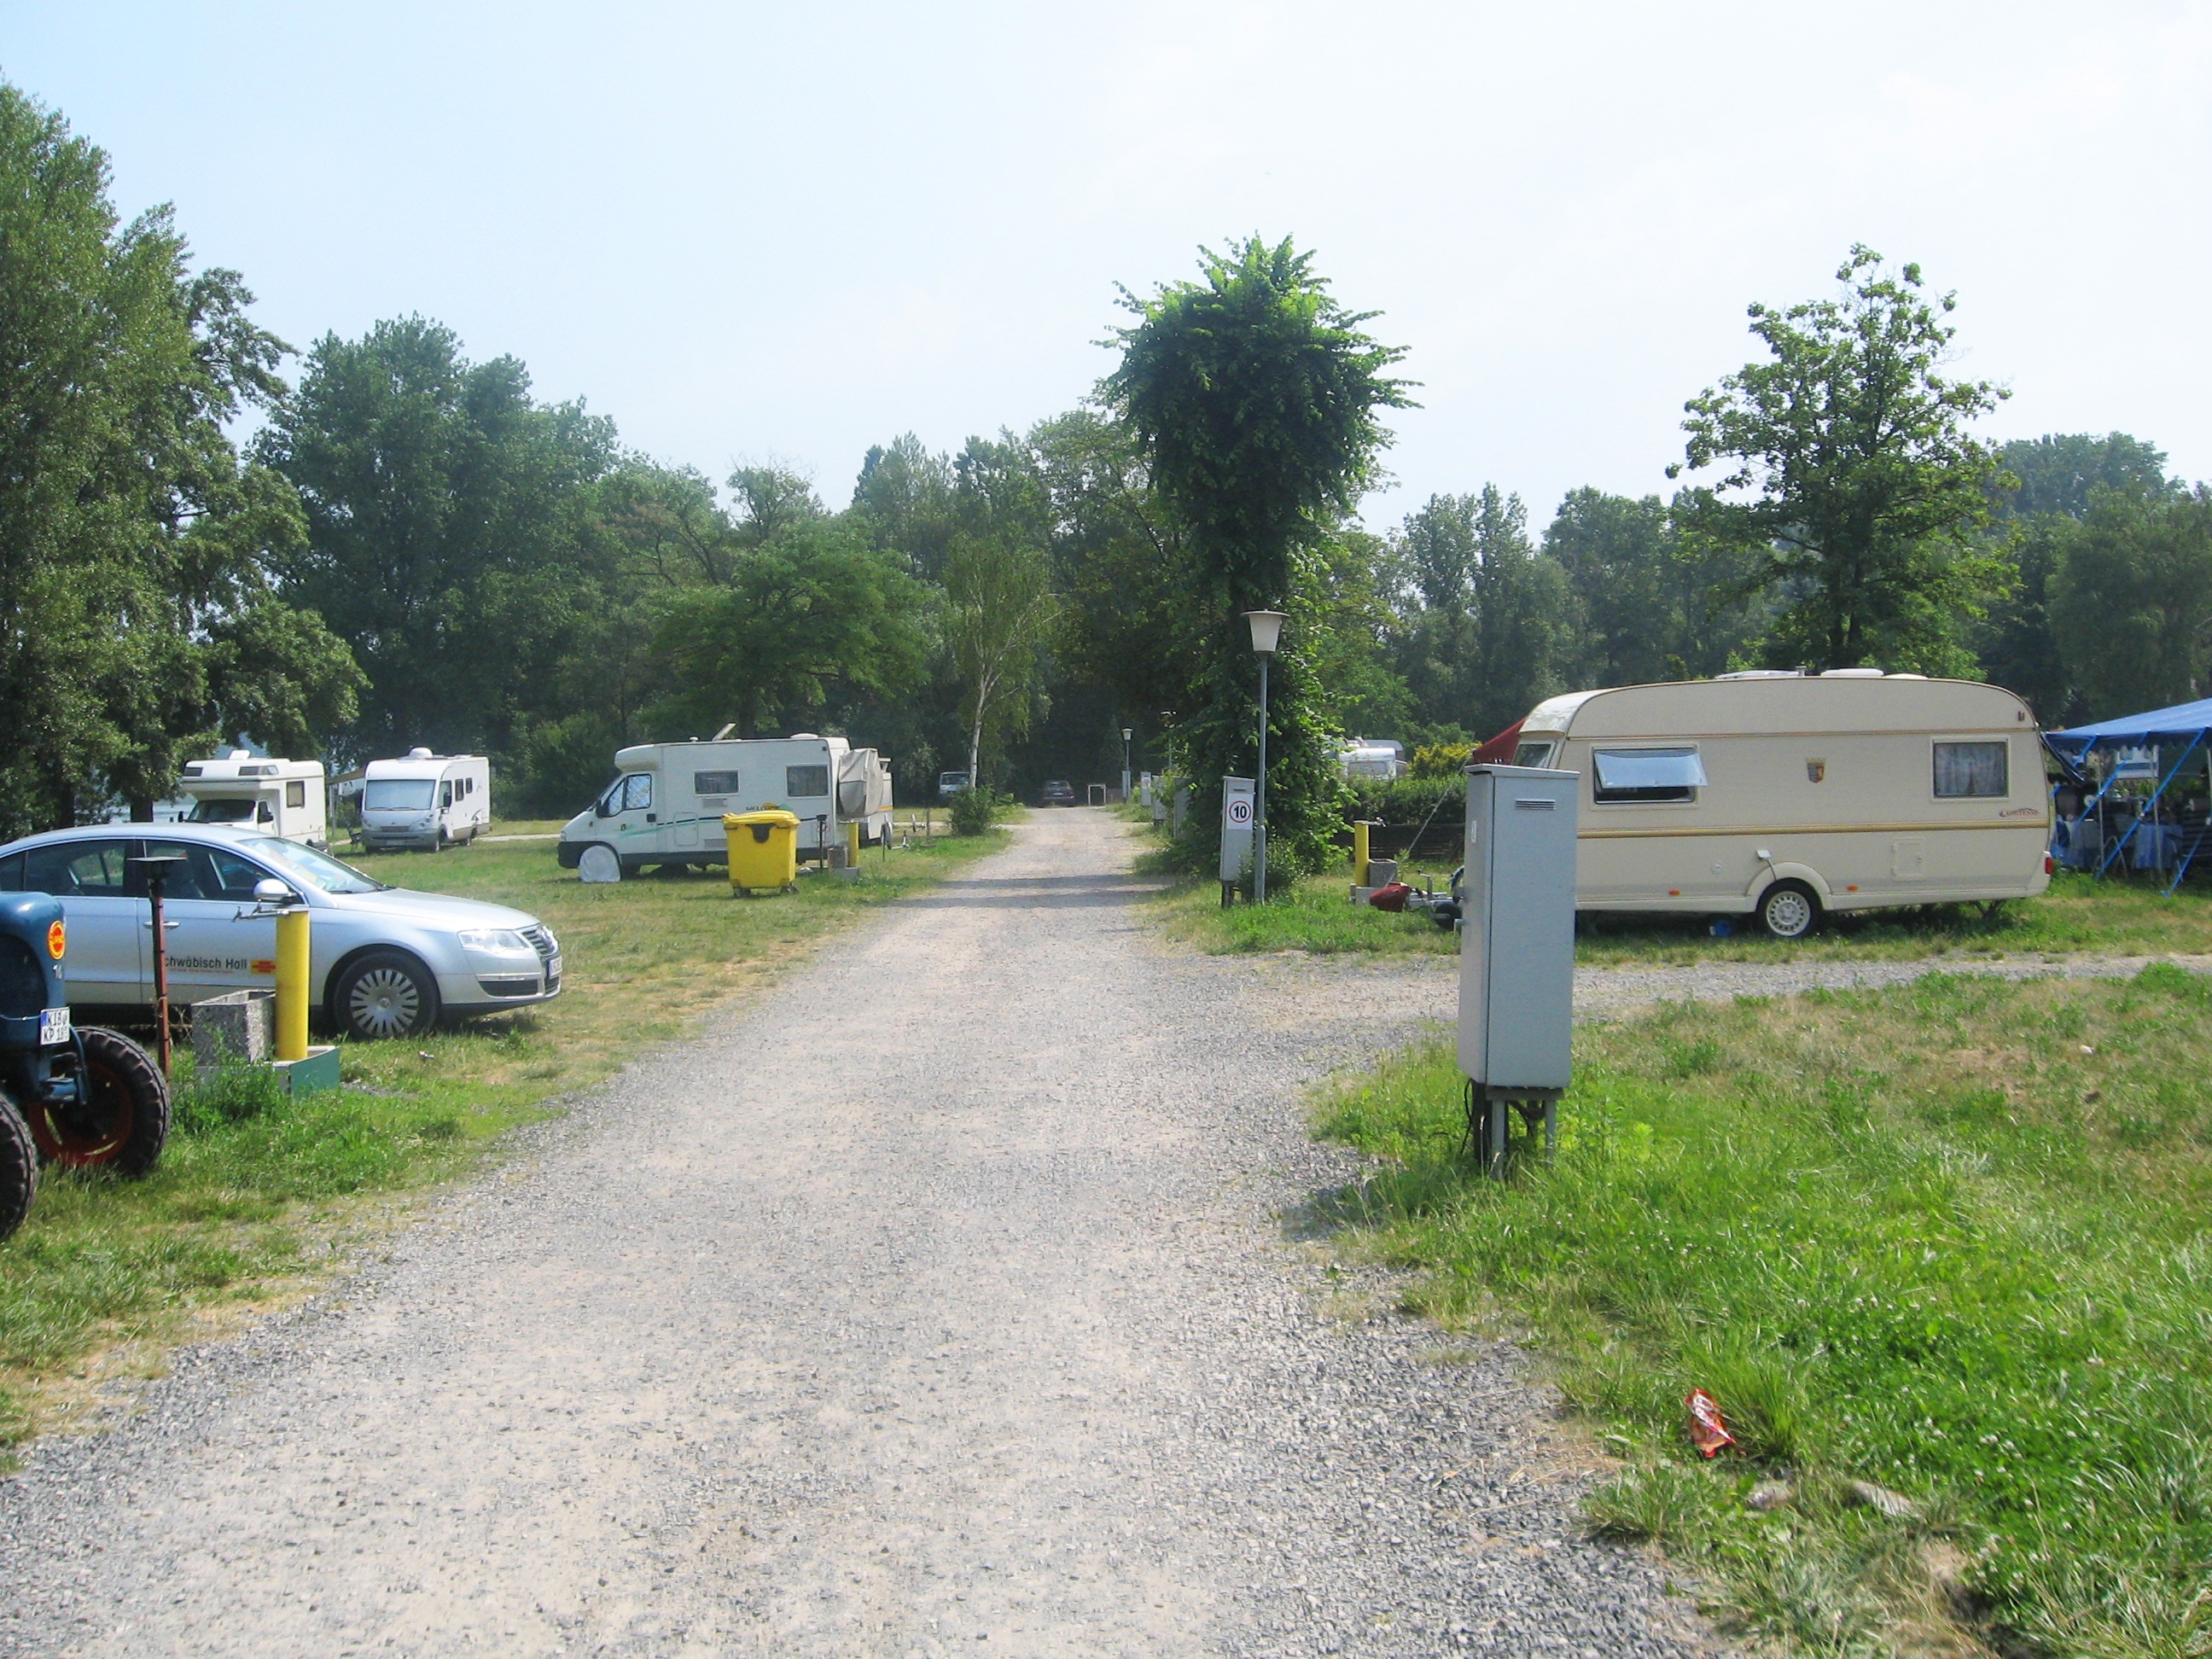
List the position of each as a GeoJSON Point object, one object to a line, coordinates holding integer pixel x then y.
{"type": "Point", "coordinates": [1240, 811]}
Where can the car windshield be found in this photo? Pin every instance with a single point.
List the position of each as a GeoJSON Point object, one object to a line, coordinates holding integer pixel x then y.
{"type": "Point", "coordinates": [316, 869]}
{"type": "Point", "coordinates": [398, 794]}
{"type": "Point", "coordinates": [232, 811]}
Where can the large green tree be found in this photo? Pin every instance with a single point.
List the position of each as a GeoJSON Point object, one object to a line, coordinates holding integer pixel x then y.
{"type": "Point", "coordinates": [138, 617]}
{"type": "Point", "coordinates": [1852, 485]}
{"type": "Point", "coordinates": [2130, 599]}
{"type": "Point", "coordinates": [454, 537]}
{"type": "Point", "coordinates": [1647, 612]}
{"type": "Point", "coordinates": [1254, 400]}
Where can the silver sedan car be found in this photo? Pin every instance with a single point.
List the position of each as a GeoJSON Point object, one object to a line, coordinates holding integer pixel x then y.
{"type": "Point", "coordinates": [385, 962]}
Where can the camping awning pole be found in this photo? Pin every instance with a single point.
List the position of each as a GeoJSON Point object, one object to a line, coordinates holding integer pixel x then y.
{"type": "Point", "coordinates": [2198, 842]}
{"type": "Point", "coordinates": [2119, 846]}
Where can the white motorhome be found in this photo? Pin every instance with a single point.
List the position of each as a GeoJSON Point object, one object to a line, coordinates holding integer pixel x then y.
{"type": "Point", "coordinates": [667, 806]}
{"type": "Point", "coordinates": [259, 792]}
{"type": "Point", "coordinates": [424, 801]}
{"type": "Point", "coordinates": [1786, 795]}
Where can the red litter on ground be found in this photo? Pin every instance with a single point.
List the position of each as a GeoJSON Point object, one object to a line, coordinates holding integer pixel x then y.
{"type": "Point", "coordinates": [1708, 1428]}
{"type": "Point", "coordinates": [1392, 897]}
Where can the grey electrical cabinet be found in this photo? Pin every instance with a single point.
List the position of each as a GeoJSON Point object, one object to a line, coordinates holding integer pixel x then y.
{"type": "Point", "coordinates": [1516, 964]}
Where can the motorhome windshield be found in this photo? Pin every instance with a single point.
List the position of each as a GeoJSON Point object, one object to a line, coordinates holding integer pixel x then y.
{"type": "Point", "coordinates": [397, 794]}
{"type": "Point", "coordinates": [312, 868]}
{"type": "Point", "coordinates": [234, 810]}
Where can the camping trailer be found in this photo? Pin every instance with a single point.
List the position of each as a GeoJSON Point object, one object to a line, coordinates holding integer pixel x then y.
{"type": "Point", "coordinates": [1785, 795]}
{"type": "Point", "coordinates": [424, 801]}
{"type": "Point", "coordinates": [258, 792]}
{"type": "Point", "coordinates": [1372, 757]}
{"type": "Point", "coordinates": [666, 806]}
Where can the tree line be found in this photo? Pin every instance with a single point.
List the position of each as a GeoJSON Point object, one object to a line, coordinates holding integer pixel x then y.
{"type": "Point", "coordinates": [414, 549]}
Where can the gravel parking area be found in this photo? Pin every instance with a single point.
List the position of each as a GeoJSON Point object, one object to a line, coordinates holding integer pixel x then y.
{"type": "Point", "coordinates": [942, 1301]}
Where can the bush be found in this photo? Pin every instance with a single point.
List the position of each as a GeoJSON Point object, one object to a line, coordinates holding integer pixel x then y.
{"type": "Point", "coordinates": [1404, 802]}
{"type": "Point", "coordinates": [975, 810]}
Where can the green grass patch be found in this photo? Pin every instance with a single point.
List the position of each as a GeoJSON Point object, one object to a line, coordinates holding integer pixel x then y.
{"type": "Point", "coordinates": [256, 1194]}
{"type": "Point", "coordinates": [1950, 1241]}
{"type": "Point", "coordinates": [2077, 916]}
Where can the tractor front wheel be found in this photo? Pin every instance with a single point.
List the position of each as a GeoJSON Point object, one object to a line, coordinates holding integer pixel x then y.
{"type": "Point", "coordinates": [121, 1120]}
{"type": "Point", "coordinates": [19, 1169]}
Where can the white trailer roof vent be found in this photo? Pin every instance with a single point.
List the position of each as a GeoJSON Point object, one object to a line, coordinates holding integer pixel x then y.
{"type": "Point", "coordinates": [1850, 673]}
{"type": "Point", "coordinates": [419, 753]}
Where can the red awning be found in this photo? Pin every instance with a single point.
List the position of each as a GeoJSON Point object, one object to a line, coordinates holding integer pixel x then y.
{"type": "Point", "coordinates": [1498, 751]}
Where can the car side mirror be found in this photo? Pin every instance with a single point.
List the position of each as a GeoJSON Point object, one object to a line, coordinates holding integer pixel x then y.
{"type": "Point", "coordinates": [270, 891]}
{"type": "Point", "coordinates": [603, 809]}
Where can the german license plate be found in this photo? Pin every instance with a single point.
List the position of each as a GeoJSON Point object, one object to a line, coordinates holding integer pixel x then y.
{"type": "Point", "coordinates": [553, 970]}
{"type": "Point", "coordinates": [53, 1028]}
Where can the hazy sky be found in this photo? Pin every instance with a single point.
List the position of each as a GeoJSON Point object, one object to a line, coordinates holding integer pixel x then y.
{"type": "Point", "coordinates": [791, 231]}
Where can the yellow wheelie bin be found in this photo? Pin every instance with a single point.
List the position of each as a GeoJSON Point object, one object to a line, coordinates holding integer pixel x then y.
{"type": "Point", "coordinates": [764, 849]}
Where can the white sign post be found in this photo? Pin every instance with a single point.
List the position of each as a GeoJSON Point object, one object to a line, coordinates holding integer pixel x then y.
{"type": "Point", "coordinates": [1236, 834]}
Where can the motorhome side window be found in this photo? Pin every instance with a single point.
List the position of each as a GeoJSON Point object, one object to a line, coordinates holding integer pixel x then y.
{"type": "Point", "coordinates": [807, 780]}
{"type": "Point", "coordinates": [715, 783]}
{"type": "Point", "coordinates": [1969, 770]}
{"type": "Point", "coordinates": [1620, 776]}
{"type": "Point", "coordinates": [295, 793]}
{"type": "Point", "coordinates": [1535, 752]}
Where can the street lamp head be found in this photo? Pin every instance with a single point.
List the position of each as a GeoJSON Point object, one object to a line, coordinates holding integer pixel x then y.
{"type": "Point", "coordinates": [1127, 733]}
{"type": "Point", "coordinates": [1266, 629]}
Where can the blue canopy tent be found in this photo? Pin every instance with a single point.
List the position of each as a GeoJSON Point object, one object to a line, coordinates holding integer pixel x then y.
{"type": "Point", "coordinates": [2186, 726]}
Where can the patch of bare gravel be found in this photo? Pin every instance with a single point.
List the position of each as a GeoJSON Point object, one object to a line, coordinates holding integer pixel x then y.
{"type": "Point", "coordinates": [939, 1303]}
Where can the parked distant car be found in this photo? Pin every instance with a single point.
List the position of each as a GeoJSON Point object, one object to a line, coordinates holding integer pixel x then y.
{"type": "Point", "coordinates": [949, 784]}
{"type": "Point", "coordinates": [384, 962]}
{"type": "Point", "coordinates": [1058, 793]}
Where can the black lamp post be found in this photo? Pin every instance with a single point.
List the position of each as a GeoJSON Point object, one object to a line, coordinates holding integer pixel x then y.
{"type": "Point", "coordinates": [1267, 634]}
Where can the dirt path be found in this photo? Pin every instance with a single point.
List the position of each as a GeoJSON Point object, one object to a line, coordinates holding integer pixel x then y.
{"type": "Point", "coordinates": [939, 1305]}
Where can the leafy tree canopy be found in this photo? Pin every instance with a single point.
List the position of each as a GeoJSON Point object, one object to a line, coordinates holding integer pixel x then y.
{"type": "Point", "coordinates": [1852, 485]}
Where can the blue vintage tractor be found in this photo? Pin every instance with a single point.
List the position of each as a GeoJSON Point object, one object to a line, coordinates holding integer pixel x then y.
{"type": "Point", "coordinates": [85, 1098]}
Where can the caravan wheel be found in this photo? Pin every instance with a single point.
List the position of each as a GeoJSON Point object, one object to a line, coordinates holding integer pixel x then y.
{"type": "Point", "coordinates": [598, 862]}
{"type": "Point", "coordinates": [1790, 910]}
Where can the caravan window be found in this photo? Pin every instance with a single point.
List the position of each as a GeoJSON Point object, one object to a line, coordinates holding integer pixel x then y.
{"type": "Point", "coordinates": [295, 793]}
{"type": "Point", "coordinates": [636, 792]}
{"type": "Point", "coordinates": [1534, 752]}
{"type": "Point", "coordinates": [807, 780]}
{"type": "Point", "coordinates": [1646, 775]}
{"type": "Point", "coordinates": [715, 783]}
{"type": "Point", "coordinates": [1968, 770]}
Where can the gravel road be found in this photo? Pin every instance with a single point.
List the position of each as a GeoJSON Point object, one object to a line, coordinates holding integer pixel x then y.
{"type": "Point", "coordinates": [943, 1302]}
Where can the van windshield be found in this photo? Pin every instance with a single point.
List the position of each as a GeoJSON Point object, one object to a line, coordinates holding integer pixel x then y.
{"type": "Point", "coordinates": [316, 869]}
{"type": "Point", "coordinates": [397, 794]}
{"type": "Point", "coordinates": [233, 810]}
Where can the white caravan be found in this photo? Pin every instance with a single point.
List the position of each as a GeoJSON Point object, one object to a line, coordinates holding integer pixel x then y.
{"type": "Point", "coordinates": [424, 801]}
{"type": "Point", "coordinates": [1372, 757]}
{"type": "Point", "coordinates": [667, 806]}
{"type": "Point", "coordinates": [259, 792]}
{"type": "Point", "coordinates": [1786, 795]}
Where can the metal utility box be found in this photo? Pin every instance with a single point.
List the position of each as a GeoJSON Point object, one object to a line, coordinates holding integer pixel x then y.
{"type": "Point", "coordinates": [1516, 966]}
{"type": "Point", "coordinates": [1236, 830]}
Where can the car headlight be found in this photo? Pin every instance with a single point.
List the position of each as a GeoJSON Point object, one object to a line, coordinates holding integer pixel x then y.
{"type": "Point", "coordinates": [496, 941]}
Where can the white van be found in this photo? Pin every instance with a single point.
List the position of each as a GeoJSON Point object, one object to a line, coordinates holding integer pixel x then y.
{"type": "Point", "coordinates": [1786, 795]}
{"type": "Point", "coordinates": [667, 806]}
{"type": "Point", "coordinates": [425, 801]}
{"type": "Point", "coordinates": [258, 792]}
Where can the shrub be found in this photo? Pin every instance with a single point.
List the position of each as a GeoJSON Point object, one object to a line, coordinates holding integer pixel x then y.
{"type": "Point", "coordinates": [975, 810]}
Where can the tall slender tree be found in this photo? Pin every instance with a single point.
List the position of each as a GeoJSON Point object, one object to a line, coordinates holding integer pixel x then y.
{"type": "Point", "coordinates": [1254, 400]}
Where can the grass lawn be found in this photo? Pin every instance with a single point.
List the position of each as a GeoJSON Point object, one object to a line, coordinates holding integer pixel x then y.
{"type": "Point", "coordinates": [256, 1196]}
{"type": "Point", "coordinates": [1950, 1241]}
{"type": "Point", "coordinates": [2077, 916]}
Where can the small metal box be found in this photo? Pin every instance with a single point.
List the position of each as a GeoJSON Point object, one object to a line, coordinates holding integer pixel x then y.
{"type": "Point", "coordinates": [1516, 975]}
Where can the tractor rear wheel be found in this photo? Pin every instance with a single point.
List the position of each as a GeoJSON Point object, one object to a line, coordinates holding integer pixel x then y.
{"type": "Point", "coordinates": [19, 1169]}
{"type": "Point", "coordinates": [123, 1120]}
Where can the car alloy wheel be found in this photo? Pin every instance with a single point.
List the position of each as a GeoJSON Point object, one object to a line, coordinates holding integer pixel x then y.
{"type": "Point", "coordinates": [384, 1003]}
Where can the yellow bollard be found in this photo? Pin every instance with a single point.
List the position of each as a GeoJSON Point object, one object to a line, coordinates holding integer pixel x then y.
{"type": "Point", "coordinates": [1359, 846]}
{"type": "Point", "coordinates": [292, 984]}
{"type": "Point", "coordinates": [853, 846]}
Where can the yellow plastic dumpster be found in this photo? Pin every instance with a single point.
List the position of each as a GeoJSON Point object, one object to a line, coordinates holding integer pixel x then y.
{"type": "Point", "coordinates": [764, 849]}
